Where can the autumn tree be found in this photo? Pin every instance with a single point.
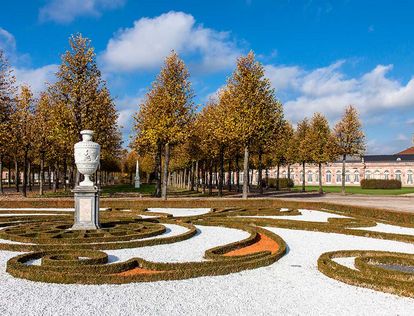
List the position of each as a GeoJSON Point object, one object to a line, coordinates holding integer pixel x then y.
{"type": "Point", "coordinates": [320, 143]}
{"type": "Point", "coordinates": [84, 98]}
{"type": "Point", "coordinates": [253, 107]}
{"type": "Point", "coordinates": [280, 148]}
{"type": "Point", "coordinates": [42, 138]}
{"type": "Point", "coordinates": [22, 122]}
{"type": "Point", "coordinates": [301, 136]}
{"type": "Point", "coordinates": [163, 118]}
{"type": "Point", "coordinates": [350, 139]}
{"type": "Point", "coordinates": [7, 99]}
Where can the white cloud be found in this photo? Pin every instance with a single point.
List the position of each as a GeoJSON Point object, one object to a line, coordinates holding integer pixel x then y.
{"type": "Point", "coordinates": [328, 90]}
{"type": "Point", "coordinates": [150, 40]}
{"type": "Point", "coordinates": [66, 11]}
{"type": "Point", "coordinates": [36, 78]}
{"type": "Point", "coordinates": [7, 41]}
{"type": "Point", "coordinates": [127, 107]}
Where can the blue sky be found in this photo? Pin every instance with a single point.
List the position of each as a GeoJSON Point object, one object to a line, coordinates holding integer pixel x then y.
{"type": "Point", "coordinates": [319, 55]}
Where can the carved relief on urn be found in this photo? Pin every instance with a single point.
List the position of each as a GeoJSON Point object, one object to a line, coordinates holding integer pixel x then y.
{"type": "Point", "coordinates": [87, 156]}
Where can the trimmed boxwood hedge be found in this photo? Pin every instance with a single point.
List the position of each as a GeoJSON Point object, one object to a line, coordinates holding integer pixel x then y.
{"type": "Point", "coordinates": [81, 262]}
{"type": "Point", "coordinates": [284, 183]}
{"type": "Point", "coordinates": [380, 184]}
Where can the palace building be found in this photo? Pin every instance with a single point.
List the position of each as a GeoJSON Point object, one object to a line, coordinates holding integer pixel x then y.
{"type": "Point", "coordinates": [399, 166]}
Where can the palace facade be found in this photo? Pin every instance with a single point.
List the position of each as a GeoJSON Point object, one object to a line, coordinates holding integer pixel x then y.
{"type": "Point", "coordinates": [398, 166]}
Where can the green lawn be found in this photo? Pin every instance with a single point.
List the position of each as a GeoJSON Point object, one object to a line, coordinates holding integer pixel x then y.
{"type": "Point", "coordinates": [358, 190]}
{"type": "Point", "coordinates": [145, 189]}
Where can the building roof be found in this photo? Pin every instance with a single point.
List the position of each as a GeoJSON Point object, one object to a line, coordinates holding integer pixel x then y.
{"type": "Point", "coordinates": [389, 158]}
{"type": "Point", "coordinates": [408, 151]}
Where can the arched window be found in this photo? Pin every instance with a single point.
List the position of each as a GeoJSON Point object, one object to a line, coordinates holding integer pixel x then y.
{"type": "Point", "coordinates": [356, 176]}
{"type": "Point", "coordinates": [338, 177]}
{"type": "Point", "coordinates": [310, 176]}
{"type": "Point", "coordinates": [398, 175]}
{"type": "Point", "coordinates": [386, 175]}
{"type": "Point", "coordinates": [377, 174]}
{"type": "Point", "coordinates": [292, 175]}
{"type": "Point", "coordinates": [409, 177]}
{"type": "Point", "coordinates": [347, 176]}
{"type": "Point", "coordinates": [328, 176]}
{"type": "Point", "coordinates": [367, 174]}
{"type": "Point", "coordinates": [284, 174]}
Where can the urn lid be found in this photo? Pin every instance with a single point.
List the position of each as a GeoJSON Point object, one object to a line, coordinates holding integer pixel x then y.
{"type": "Point", "coordinates": [87, 135]}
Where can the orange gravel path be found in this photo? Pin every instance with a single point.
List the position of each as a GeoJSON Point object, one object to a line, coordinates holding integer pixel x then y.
{"type": "Point", "coordinates": [138, 270]}
{"type": "Point", "coordinates": [263, 244]}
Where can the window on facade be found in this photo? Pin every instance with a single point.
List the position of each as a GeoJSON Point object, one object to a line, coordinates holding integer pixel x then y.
{"type": "Point", "coordinates": [398, 175]}
{"type": "Point", "coordinates": [338, 177]}
{"type": "Point", "coordinates": [310, 176]}
{"type": "Point", "coordinates": [386, 175]}
{"type": "Point", "coordinates": [356, 176]}
{"type": "Point", "coordinates": [409, 177]}
{"type": "Point", "coordinates": [292, 175]}
{"type": "Point", "coordinates": [367, 174]}
{"type": "Point", "coordinates": [316, 177]}
{"type": "Point", "coordinates": [328, 177]}
{"type": "Point", "coordinates": [284, 174]}
{"type": "Point", "coordinates": [347, 176]}
{"type": "Point", "coordinates": [301, 176]}
{"type": "Point", "coordinates": [377, 174]}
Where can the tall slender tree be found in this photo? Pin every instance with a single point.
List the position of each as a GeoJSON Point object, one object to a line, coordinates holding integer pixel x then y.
{"type": "Point", "coordinates": [87, 104]}
{"type": "Point", "coordinates": [168, 110]}
{"type": "Point", "coordinates": [254, 107]}
{"type": "Point", "coordinates": [320, 143]}
{"type": "Point", "coordinates": [350, 139]}
{"type": "Point", "coordinates": [301, 136]}
{"type": "Point", "coordinates": [22, 121]}
{"type": "Point", "coordinates": [7, 101]}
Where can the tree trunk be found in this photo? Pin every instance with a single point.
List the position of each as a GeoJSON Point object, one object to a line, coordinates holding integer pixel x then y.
{"type": "Point", "coordinates": [65, 174]}
{"type": "Point", "coordinates": [229, 176]}
{"type": "Point", "coordinates": [343, 175]}
{"type": "Point", "coordinates": [221, 175]}
{"type": "Point", "coordinates": [16, 175]}
{"type": "Point", "coordinates": [1, 175]}
{"type": "Point", "coordinates": [278, 177]}
{"type": "Point", "coordinates": [304, 175]}
{"type": "Point", "coordinates": [158, 171]}
{"type": "Point", "coordinates": [42, 172]}
{"type": "Point", "coordinates": [49, 175]}
{"type": "Point", "coordinates": [9, 175]}
{"type": "Point", "coordinates": [237, 174]}
{"type": "Point", "coordinates": [246, 172]}
{"type": "Point", "coordinates": [203, 177]}
{"type": "Point", "coordinates": [259, 177]}
{"type": "Point", "coordinates": [267, 178]}
{"type": "Point", "coordinates": [192, 176]}
{"type": "Point", "coordinates": [56, 177]}
{"type": "Point", "coordinates": [29, 175]}
{"type": "Point", "coordinates": [320, 178]}
{"type": "Point", "coordinates": [210, 178]}
{"type": "Point", "coordinates": [25, 163]}
{"type": "Point", "coordinates": [165, 175]}
{"type": "Point", "coordinates": [197, 178]}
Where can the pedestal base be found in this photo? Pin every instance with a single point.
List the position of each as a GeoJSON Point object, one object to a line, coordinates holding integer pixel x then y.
{"type": "Point", "coordinates": [86, 208]}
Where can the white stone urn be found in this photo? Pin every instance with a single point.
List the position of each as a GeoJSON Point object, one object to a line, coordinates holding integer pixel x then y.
{"type": "Point", "coordinates": [87, 156]}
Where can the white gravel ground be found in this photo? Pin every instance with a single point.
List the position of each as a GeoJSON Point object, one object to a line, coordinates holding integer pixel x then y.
{"type": "Point", "coordinates": [179, 212]}
{"type": "Point", "coordinates": [385, 228]}
{"type": "Point", "coordinates": [291, 286]}
{"type": "Point", "coordinates": [307, 216]}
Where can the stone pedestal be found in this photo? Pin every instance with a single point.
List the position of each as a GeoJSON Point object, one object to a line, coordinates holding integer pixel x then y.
{"type": "Point", "coordinates": [86, 208]}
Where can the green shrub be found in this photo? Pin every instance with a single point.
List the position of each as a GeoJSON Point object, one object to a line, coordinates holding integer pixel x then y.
{"type": "Point", "coordinates": [283, 183]}
{"type": "Point", "coordinates": [380, 184]}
